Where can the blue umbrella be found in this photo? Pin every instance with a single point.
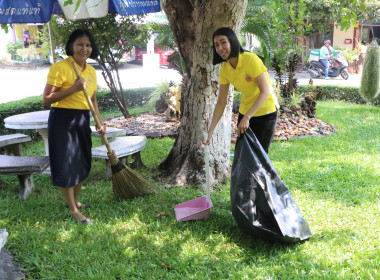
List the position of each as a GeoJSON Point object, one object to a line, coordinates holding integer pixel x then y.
{"type": "Point", "coordinates": [40, 11]}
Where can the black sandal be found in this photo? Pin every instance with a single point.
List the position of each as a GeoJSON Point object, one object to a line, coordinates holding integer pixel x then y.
{"type": "Point", "coordinates": [82, 206]}
{"type": "Point", "coordinates": [86, 221]}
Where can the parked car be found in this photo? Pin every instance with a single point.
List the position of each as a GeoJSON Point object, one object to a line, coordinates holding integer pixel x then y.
{"type": "Point", "coordinates": [139, 51]}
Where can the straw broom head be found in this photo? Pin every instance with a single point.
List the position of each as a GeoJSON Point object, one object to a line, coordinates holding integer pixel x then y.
{"type": "Point", "coordinates": [127, 184]}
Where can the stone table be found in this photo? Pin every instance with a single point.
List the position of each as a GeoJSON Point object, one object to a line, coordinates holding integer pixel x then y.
{"type": "Point", "coordinates": [33, 120]}
{"type": "Point", "coordinates": [39, 121]}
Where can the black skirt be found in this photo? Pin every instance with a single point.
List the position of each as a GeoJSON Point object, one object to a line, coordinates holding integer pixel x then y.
{"type": "Point", "coordinates": [263, 127]}
{"type": "Point", "coordinates": [69, 136]}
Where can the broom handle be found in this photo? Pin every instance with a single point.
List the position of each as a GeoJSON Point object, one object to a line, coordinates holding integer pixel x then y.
{"type": "Point", "coordinates": [97, 121]}
{"type": "Point", "coordinates": [207, 166]}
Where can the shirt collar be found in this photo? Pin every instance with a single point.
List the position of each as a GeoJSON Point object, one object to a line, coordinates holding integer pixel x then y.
{"type": "Point", "coordinates": [71, 59]}
{"type": "Point", "coordinates": [240, 63]}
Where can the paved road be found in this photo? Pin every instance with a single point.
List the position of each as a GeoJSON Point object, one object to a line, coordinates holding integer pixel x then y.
{"type": "Point", "coordinates": [16, 84]}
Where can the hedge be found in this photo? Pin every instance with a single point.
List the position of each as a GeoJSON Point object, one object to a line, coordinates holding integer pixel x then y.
{"type": "Point", "coordinates": [340, 93]}
{"type": "Point", "coordinates": [135, 98]}
{"type": "Point", "coordinates": [140, 96]}
{"type": "Point", "coordinates": [25, 105]}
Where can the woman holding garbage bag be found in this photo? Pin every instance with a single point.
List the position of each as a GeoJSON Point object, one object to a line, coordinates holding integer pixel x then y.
{"type": "Point", "coordinates": [247, 73]}
{"type": "Point", "coordinates": [260, 202]}
{"type": "Point", "coordinates": [69, 131]}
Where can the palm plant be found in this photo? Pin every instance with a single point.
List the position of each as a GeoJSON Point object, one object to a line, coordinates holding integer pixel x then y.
{"type": "Point", "coordinates": [165, 38]}
{"type": "Point", "coordinates": [279, 26]}
{"type": "Point", "coordinates": [256, 23]}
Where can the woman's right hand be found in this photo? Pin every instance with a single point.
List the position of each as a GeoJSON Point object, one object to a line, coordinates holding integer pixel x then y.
{"type": "Point", "coordinates": [206, 141]}
{"type": "Point", "coordinates": [79, 85]}
{"type": "Point", "coordinates": [101, 130]}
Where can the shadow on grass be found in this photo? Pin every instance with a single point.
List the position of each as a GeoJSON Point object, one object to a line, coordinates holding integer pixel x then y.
{"type": "Point", "coordinates": [140, 239]}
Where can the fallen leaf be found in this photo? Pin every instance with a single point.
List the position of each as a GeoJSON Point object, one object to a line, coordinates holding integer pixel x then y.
{"type": "Point", "coordinates": [166, 265]}
{"type": "Point", "coordinates": [159, 214]}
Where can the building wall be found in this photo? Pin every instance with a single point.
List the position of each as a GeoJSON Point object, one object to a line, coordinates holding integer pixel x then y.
{"type": "Point", "coordinates": [5, 38]}
{"type": "Point", "coordinates": [340, 37]}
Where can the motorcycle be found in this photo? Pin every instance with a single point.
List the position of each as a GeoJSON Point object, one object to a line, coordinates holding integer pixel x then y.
{"type": "Point", "coordinates": [317, 70]}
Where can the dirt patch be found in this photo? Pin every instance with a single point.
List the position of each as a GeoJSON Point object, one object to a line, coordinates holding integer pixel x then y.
{"type": "Point", "coordinates": [151, 125]}
{"type": "Point", "coordinates": [156, 126]}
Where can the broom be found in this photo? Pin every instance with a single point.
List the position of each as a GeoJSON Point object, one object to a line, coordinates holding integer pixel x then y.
{"type": "Point", "coordinates": [127, 184]}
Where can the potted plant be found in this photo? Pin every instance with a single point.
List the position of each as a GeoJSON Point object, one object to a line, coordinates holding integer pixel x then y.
{"type": "Point", "coordinates": [352, 58]}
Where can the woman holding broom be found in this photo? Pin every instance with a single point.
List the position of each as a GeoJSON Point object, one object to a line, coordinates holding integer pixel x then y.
{"type": "Point", "coordinates": [69, 130]}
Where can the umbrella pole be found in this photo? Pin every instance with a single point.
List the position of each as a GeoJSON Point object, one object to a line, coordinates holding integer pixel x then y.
{"type": "Point", "coordinates": [52, 44]}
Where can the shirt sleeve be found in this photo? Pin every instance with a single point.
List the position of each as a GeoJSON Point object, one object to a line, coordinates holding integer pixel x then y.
{"type": "Point", "coordinates": [322, 54]}
{"type": "Point", "coordinates": [223, 79]}
{"type": "Point", "coordinates": [95, 80]}
{"type": "Point", "coordinates": [256, 66]}
{"type": "Point", "coordinates": [55, 76]}
{"type": "Point", "coordinates": [334, 51]}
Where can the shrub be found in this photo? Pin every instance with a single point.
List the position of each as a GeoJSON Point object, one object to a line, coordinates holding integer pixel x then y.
{"type": "Point", "coordinates": [340, 93]}
{"type": "Point", "coordinates": [135, 97]}
{"type": "Point", "coordinates": [12, 49]}
{"type": "Point", "coordinates": [157, 94]}
{"type": "Point", "coordinates": [140, 96]}
{"type": "Point", "coordinates": [370, 79]}
{"type": "Point", "coordinates": [237, 95]}
{"type": "Point", "coordinates": [26, 105]}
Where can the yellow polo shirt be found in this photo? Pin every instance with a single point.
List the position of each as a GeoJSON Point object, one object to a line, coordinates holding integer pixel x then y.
{"type": "Point", "coordinates": [243, 77]}
{"type": "Point", "coordinates": [62, 75]}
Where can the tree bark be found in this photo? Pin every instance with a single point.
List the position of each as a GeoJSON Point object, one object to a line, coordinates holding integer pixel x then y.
{"type": "Point", "coordinates": [193, 22]}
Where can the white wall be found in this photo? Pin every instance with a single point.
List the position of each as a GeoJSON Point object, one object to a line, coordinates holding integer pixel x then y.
{"type": "Point", "coordinates": [5, 38]}
{"type": "Point", "coordinates": [340, 36]}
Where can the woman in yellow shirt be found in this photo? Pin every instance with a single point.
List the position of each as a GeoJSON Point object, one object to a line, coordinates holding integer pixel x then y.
{"type": "Point", "coordinates": [69, 132]}
{"type": "Point", "coordinates": [246, 72]}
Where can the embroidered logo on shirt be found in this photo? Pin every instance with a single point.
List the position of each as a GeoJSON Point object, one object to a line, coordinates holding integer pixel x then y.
{"type": "Point", "coordinates": [248, 78]}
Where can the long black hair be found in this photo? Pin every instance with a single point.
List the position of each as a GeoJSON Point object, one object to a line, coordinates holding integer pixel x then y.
{"type": "Point", "coordinates": [236, 48]}
{"type": "Point", "coordinates": [78, 33]}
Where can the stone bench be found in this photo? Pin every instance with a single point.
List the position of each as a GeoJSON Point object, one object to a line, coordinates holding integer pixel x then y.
{"type": "Point", "coordinates": [111, 133]}
{"type": "Point", "coordinates": [3, 237]}
{"type": "Point", "coordinates": [12, 143]}
{"type": "Point", "coordinates": [123, 147]}
{"type": "Point", "coordinates": [24, 168]}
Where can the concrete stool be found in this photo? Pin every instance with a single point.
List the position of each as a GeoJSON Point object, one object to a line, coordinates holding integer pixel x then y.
{"type": "Point", "coordinates": [123, 147]}
{"type": "Point", "coordinates": [24, 168]}
{"type": "Point", "coordinates": [111, 133]}
{"type": "Point", "coordinates": [3, 237]}
{"type": "Point", "coordinates": [12, 143]}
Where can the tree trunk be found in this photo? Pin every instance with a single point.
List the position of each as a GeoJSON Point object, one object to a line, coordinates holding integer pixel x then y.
{"type": "Point", "coordinates": [193, 22]}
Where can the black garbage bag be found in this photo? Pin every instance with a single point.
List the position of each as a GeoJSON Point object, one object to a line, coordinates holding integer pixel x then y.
{"type": "Point", "coordinates": [261, 203]}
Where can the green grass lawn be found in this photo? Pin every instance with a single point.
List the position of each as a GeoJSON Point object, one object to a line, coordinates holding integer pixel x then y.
{"type": "Point", "coordinates": [335, 181]}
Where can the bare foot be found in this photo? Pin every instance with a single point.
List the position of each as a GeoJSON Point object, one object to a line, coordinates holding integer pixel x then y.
{"type": "Point", "coordinates": [81, 205]}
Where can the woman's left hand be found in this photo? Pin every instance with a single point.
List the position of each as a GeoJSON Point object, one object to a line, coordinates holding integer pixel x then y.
{"type": "Point", "coordinates": [243, 125]}
{"type": "Point", "coordinates": [101, 130]}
